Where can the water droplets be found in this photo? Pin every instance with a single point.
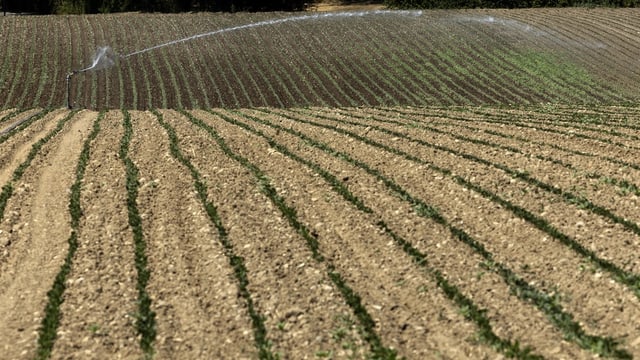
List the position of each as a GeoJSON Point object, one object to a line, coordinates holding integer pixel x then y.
{"type": "Point", "coordinates": [104, 58]}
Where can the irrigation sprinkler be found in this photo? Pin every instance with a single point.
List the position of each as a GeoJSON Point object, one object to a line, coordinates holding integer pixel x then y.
{"type": "Point", "coordinates": [69, 106]}
{"type": "Point", "coordinates": [105, 57]}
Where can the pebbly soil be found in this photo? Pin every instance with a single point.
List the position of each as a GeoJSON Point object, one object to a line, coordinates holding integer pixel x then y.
{"type": "Point", "coordinates": [326, 233]}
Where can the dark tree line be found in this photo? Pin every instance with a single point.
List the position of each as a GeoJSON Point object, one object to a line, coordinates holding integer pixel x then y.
{"type": "Point", "coordinates": [509, 4]}
{"type": "Point", "coordinates": [109, 6]}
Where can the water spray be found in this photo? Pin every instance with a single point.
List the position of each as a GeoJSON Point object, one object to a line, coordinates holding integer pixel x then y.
{"type": "Point", "coordinates": [345, 14]}
{"type": "Point", "coordinates": [105, 57]}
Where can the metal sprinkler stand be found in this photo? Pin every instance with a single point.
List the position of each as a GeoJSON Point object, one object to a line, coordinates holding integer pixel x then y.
{"type": "Point", "coordinates": [69, 106]}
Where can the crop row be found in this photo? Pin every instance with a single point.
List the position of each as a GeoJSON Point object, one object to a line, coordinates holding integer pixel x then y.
{"type": "Point", "coordinates": [614, 38]}
{"type": "Point", "coordinates": [439, 57]}
{"type": "Point", "coordinates": [410, 199]}
{"type": "Point", "coordinates": [578, 185]}
{"type": "Point", "coordinates": [520, 286]}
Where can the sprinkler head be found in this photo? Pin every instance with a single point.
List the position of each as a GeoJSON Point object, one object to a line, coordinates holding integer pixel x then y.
{"type": "Point", "coordinates": [69, 88]}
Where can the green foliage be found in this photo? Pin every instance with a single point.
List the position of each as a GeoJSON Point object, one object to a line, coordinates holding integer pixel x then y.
{"type": "Point", "coordinates": [549, 305]}
{"type": "Point", "coordinates": [540, 69]}
{"type": "Point", "coordinates": [236, 262]}
{"type": "Point", "coordinates": [145, 319]}
{"type": "Point", "coordinates": [67, 7]}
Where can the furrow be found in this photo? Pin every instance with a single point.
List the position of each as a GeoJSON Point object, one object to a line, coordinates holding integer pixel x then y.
{"type": "Point", "coordinates": [304, 73]}
{"type": "Point", "coordinates": [572, 141]}
{"type": "Point", "coordinates": [606, 133]}
{"type": "Point", "coordinates": [358, 63]}
{"type": "Point", "coordinates": [7, 114]}
{"type": "Point", "coordinates": [7, 70]}
{"type": "Point", "coordinates": [238, 78]}
{"type": "Point", "coordinates": [590, 235]}
{"type": "Point", "coordinates": [352, 298]}
{"type": "Point", "coordinates": [106, 78]}
{"type": "Point", "coordinates": [230, 98]}
{"type": "Point", "coordinates": [580, 45]}
{"type": "Point", "coordinates": [20, 72]}
{"type": "Point", "coordinates": [34, 232]}
{"type": "Point", "coordinates": [528, 293]}
{"type": "Point", "coordinates": [576, 164]}
{"type": "Point", "coordinates": [385, 155]}
{"type": "Point", "coordinates": [159, 96]}
{"type": "Point", "coordinates": [191, 285]}
{"type": "Point", "coordinates": [246, 71]}
{"type": "Point", "coordinates": [625, 277]}
{"type": "Point", "coordinates": [54, 87]}
{"type": "Point", "coordinates": [292, 298]}
{"type": "Point", "coordinates": [52, 314]}
{"type": "Point", "coordinates": [48, 68]}
{"type": "Point", "coordinates": [560, 172]}
{"type": "Point", "coordinates": [190, 79]}
{"type": "Point", "coordinates": [426, 78]}
{"type": "Point", "coordinates": [283, 87]}
{"type": "Point", "coordinates": [285, 64]}
{"type": "Point", "coordinates": [145, 317]}
{"type": "Point", "coordinates": [92, 77]}
{"type": "Point", "coordinates": [22, 149]}
{"type": "Point", "coordinates": [351, 62]}
{"type": "Point", "coordinates": [100, 302]}
{"type": "Point", "coordinates": [77, 96]}
{"type": "Point", "coordinates": [490, 59]}
{"type": "Point", "coordinates": [341, 179]}
{"type": "Point", "coordinates": [36, 70]}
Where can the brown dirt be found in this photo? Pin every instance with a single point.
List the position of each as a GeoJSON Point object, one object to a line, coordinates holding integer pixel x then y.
{"type": "Point", "coordinates": [16, 148]}
{"type": "Point", "coordinates": [522, 244]}
{"type": "Point", "coordinates": [349, 239]}
{"type": "Point", "coordinates": [440, 57]}
{"type": "Point", "coordinates": [444, 251]}
{"type": "Point", "coordinates": [200, 311]}
{"type": "Point", "coordinates": [290, 289]}
{"type": "Point", "coordinates": [34, 232]}
{"type": "Point", "coordinates": [98, 312]}
{"type": "Point", "coordinates": [203, 315]}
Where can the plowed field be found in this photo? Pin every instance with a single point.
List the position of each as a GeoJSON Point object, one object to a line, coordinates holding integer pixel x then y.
{"type": "Point", "coordinates": [359, 185]}
{"type": "Point", "coordinates": [355, 58]}
{"type": "Point", "coordinates": [321, 233]}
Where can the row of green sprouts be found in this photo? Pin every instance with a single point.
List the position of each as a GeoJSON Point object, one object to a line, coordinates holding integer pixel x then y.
{"type": "Point", "coordinates": [546, 303]}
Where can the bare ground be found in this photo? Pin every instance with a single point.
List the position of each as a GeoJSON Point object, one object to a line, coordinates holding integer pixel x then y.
{"type": "Point", "coordinates": [320, 276]}
{"type": "Point", "coordinates": [34, 232]}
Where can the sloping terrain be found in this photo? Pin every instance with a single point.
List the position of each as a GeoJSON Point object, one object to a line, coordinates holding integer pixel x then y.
{"type": "Point", "coordinates": [353, 185]}
{"type": "Point", "coordinates": [355, 58]}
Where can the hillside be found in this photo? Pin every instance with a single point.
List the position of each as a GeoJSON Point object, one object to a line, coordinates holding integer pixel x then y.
{"type": "Point", "coordinates": [321, 185]}
{"type": "Point", "coordinates": [355, 58]}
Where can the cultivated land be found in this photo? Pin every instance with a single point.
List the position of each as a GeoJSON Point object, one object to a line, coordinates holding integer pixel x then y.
{"type": "Point", "coordinates": [451, 184]}
{"type": "Point", "coordinates": [576, 56]}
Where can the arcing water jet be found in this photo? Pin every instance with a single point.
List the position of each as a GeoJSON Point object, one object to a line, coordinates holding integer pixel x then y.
{"type": "Point", "coordinates": [105, 57]}
{"type": "Point", "coordinates": [284, 20]}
